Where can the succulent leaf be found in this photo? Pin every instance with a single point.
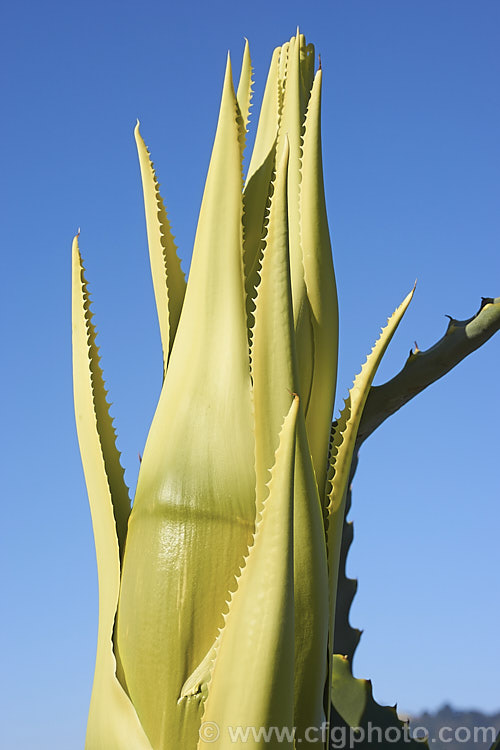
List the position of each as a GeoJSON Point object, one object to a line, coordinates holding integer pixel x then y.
{"type": "Point", "coordinates": [267, 126]}
{"type": "Point", "coordinates": [311, 582]}
{"type": "Point", "coordinates": [258, 186]}
{"type": "Point", "coordinates": [168, 278]}
{"type": "Point", "coordinates": [342, 449]}
{"type": "Point", "coordinates": [194, 509]}
{"type": "Point", "coordinates": [307, 53]}
{"type": "Point", "coordinates": [274, 370]}
{"type": "Point", "coordinates": [345, 637]}
{"type": "Point", "coordinates": [378, 726]}
{"type": "Point", "coordinates": [290, 129]}
{"type": "Point", "coordinates": [274, 366]}
{"type": "Point", "coordinates": [349, 694]}
{"type": "Point", "coordinates": [113, 723]}
{"type": "Point", "coordinates": [244, 690]}
{"type": "Point", "coordinates": [320, 287]}
{"type": "Point", "coordinates": [244, 92]}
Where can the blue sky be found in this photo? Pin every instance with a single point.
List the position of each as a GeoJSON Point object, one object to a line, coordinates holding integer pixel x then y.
{"type": "Point", "coordinates": [411, 117]}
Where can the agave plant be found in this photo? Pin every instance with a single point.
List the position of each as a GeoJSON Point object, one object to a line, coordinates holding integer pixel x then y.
{"type": "Point", "coordinates": [217, 587]}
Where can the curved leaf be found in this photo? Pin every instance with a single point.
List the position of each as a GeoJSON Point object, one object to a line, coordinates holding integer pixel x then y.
{"type": "Point", "coordinates": [244, 93]}
{"type": "Point", "coordinates": [113, 723]}
{"type": "Point", "coordinates": [168, 279]}
{"type": "Point", "coordinates": [343, 447]}
{"type": "Point", "coordinates": [194, 509]}
{"type": "Point", "coordinates": [320, 287]}
{"type": "Point", "coordinates": [257, 190]}
{"type": "Point", "coordinates": [274, 371]}
{"type": "Point", "coordinates": [290, 127]}
{"type": "Point", "coordinates": [274, 367]}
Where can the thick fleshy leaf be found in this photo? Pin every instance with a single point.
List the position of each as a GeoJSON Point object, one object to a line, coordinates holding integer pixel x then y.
{"type": "Point", "coordinates": [256, 193]}
{"type": "Point", "coordinates": [351, 706]}
{"type": "Point", "coordinates": [113, 723]}
{"type": "Point", "coordinates": [307, 55]}
{"type": "Point", "coordinates": [194, 509]}
{"type": "Point", "coordinates": [253, 673]}
{"type": "Point", "coordinates": [281, 119]}
{"type": "Point", "coordinates": [244, 92]}
{"type": "Point", "coordinates": [283, 63]}
{"type": "Point", "coordinates": [349, 694]}
{"type": "Point", "coordinates": [168, 278]}
{"type": "Point", "coordinates": [274, 366]}
{"type": "Point", "coordinates": [321, 288]}
{"type": "Point", "coordinates": [343, 446]}
{"type": "Point", "coordinates": [364, 722]}
{"type": "Point", "coordinates": [290, 127]}
{"type": "Point", "coordinates": [290, 130]}
{"type": "Point", "coordinates": [315, 309]}
{"type": "Point", "coordinates": [311, 583]}
{"type": "Point", "coordinates": [268, 123]}
{"type": "Point", "coordinates": [274, 371]}
{"type": "Point", "coordinates": [345, 636]}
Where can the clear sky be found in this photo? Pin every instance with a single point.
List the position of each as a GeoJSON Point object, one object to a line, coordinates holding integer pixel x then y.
{"type": "Point", "coordinates": [411, 118]}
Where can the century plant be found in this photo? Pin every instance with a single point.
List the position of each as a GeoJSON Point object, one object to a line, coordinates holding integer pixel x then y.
{"type": "Point", "coordinates": [218, 586]}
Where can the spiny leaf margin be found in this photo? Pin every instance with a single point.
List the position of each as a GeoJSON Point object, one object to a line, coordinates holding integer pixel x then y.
{"type": "Point", "coordinates": [343, 444]}
{"type": "Point", "coordinates": [169, 281]}
{"type": "Point", "coordinates": [113, 722]}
